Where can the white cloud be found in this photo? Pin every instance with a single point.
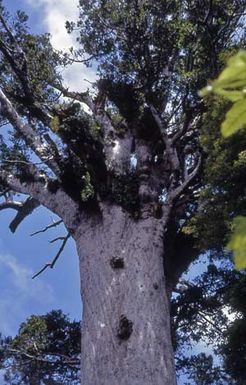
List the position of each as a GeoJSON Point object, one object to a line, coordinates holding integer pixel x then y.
{"type": "Point", "coordinates": [53, 16]}
{"type": "Point", "coordinates": [19, 293]}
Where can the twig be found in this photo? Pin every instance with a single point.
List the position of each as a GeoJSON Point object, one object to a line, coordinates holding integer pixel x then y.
{"type": "Point", "coordinates": [54, 224]}
{"type": "Point", "coordinates": [61, 358]}
{"type": "Point", "coordinates": [202, 315]}
{"type": "Point", "coordinates": [21, 162]}
{"type": "Point", "coordinates": [57, 239]}
{"type": "Point", "coordinates": [52, 264]}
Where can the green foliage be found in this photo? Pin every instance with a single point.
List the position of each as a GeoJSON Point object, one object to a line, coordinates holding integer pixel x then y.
{"type": "Point", "coordinates": [234, 347]}
{"type": "Point", "coordinates": [55, 124]}
{"type": "Point", "coordinates": [124, 191]}
{"type": "Point", "coordinates": [231, 84]}
{"type": "Point", "coordinates": [235, 118]}
{"type": "Point", "coordinates": [200, 369]}
{"type": "Point", "coordinates": [235, 351]}
{"type": "Point", "coordinates": [238, 242]}
{"type": "Point", "coordinates": [210, 310]}
{"type": "Point", "coordinates": [139, 42]}
{"type": "Point", "coordinates": [224, 171]}
{"type": "Point", "coordinates": [43, 63]}
{"type": "Point", "coordinates": [87, 192]}
{"type": "Point", "coordinates": [46, 350]}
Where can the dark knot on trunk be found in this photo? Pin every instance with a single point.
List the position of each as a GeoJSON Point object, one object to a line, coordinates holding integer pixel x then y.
{"type": "Point", "coordinates": [117, 263]}
{"type": "Point", "coordinates": [125, 328]}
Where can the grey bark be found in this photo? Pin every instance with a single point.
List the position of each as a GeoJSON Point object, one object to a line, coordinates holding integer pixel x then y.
{"type": "Point", "coordinates": [126, 324]}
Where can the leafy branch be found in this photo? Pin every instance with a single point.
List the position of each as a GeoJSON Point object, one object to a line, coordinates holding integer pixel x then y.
{"type": "Point", "coordinates": [231, 84]}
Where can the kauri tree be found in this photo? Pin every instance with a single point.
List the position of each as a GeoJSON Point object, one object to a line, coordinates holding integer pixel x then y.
{"type": "Point", "coordinates": [127, 176]}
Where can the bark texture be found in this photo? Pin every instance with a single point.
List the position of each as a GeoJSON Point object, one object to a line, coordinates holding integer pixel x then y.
{"type": "Point", "coordinates": [126, 324]}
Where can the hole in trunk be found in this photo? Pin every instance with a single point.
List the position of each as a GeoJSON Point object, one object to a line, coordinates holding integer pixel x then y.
{"type": "Point", "coordinates": [125, 328]}
{"type": "Point", "coordinates": [117, 263]}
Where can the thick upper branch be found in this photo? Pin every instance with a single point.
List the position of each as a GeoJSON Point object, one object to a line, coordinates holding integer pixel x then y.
{"type": "Point", "coordinates": [174, 194]}
{"type": "Point", "coordinates": [58, 202]}
{"type": "Point", "coordinates": [171, 151]}
{"type": "Point", "coordinates": [23, 210]}
{"type": "Point", "coordinates": [41, 148]}
{"type": "Point", "coordinates": [116, 149]}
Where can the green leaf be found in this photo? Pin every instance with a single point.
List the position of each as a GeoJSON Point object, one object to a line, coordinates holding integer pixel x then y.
{"type": "Point", "coordinates": [238, 242]}
{"type": "Point", "coordinates": [234, 73]}
{"type": "Point", "coordinates": [232, 81]}
{"type": "Point", "coordinates": [235, 118]}
{"type": "Point", "coordinates": [233, 96]}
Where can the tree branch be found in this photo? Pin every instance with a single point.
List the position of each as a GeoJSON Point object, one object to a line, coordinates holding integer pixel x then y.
{"type": "Point", "coordinates": [26, 209]}
{"type": "Point", "coordinates": [52, 264]}
{"type": "Point", "coordinates": [19, 64]}
{"type": "Point", "coordinates": [97, 108]}
{"type": "Point", "coordinates": [188, 180]}
{"type": "Point", "coordinates": [57, 239]}
{"type": "Point", "coordinates": [64, 360]}
{"type": "Point", "coordinates": [170, 147]}
{"type": "Point", "coordinates": [17, 59]}
{"type": "Point", "coordinates": [41, 149]}
{"type": "Point", "coordinates": [15, 205]}
{"type": "Point", "coordinates": [58, 202]}
{"type": "Point", "coordinates": [112, 159]}
{"type": "Point", "coordinates": [23, 210]}
{"type": "Point", "coordinates": [82, 97]}
{"type": "Point", "coordinates": [54, 224]}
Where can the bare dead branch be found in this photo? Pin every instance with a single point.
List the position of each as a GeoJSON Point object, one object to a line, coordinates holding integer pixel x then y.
{"type": "Point", "coordinates": [54, 224]}
{"type": "Point", "coordinates": [52, 264]}
{"type": "Point", "coordinates": [58, 239]}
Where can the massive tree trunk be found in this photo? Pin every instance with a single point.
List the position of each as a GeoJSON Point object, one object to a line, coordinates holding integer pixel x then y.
{"type": "Point", "coordinates": [126, 324]}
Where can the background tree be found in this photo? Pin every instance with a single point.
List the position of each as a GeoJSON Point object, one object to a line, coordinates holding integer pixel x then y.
{"type": "Point", "coordinates": [126, 178]}
{"type": "Point", "coordinates": [208, 310]}
{"type": "Point", "coordinates": [45, 351]}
